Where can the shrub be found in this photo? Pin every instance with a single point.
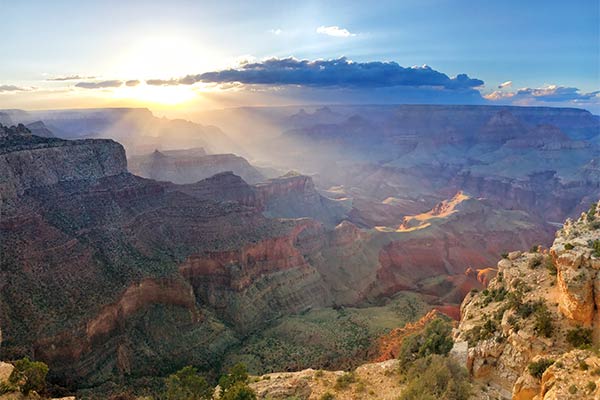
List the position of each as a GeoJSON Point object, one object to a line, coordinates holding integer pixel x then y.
{"type": "Point", "coordinates": [535, 263]}
{"type": "Point", "coordinates": [591, 386]}
{"type": "Point", "coordinates": [482, 332]}
{"type": "Point", "coordinates": [572, 389]}
{"type": "Point", "coordinates": [237, 374]}
{"type": "Point", "coordinates": [29, 375]}
{"type": "Point", "coordinates": [550, 266]}
{"type": "Point", "coordinates": [534, 248]}
{"type": "Point", "coordinates": [537, 368]}
{"type": "Point", "coordinates": [569, 246]}
{"type": "Point", "coordinates": [239, 391]}
{"type": "Point", "coordinates": [345, 380]}
{"type": "Point", "coordinates": [234, 384]}
{"type": "Point", "coordinates": [327, 396]}
{"type": "Point", "coordinates": [493, 295]}
{"type": "Point", "coordinates": [187, 384]}
{"type": "Point", "coordinates": [435, 339]}
{"type": "Point", "coordinates": [543, 321]}
{"type": "Point", "coordinates": [504, 255]}
{"type": "Point", "coordinates": [436, 377]}
{"type": "Point", "coordinates": [580, 337]}
{"type": "Point", "coordinates": [591, 214]}
{"type": "Point", "coordinates": [596, 248]}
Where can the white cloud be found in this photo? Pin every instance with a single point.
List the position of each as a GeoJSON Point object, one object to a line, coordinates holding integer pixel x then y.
{"type": "Point", "coordinates": [276, 31]}
{"type": "Point", "coordinates": [335, 31]}
{"type": "Point", "coordinates": [505, 85]}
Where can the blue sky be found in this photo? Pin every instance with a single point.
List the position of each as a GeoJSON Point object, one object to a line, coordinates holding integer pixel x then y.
{"type": "Point", "coordinates": [550, 49]}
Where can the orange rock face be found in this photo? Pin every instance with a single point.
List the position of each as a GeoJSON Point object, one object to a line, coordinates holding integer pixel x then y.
{"type": "Point", "coordinates": [237, 269]}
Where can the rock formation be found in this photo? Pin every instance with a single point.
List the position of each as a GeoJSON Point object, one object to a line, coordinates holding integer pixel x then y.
{"type": "Point", "coordinates": [523, 329]}
{"type": "Point", "coordinates": [189, 166]}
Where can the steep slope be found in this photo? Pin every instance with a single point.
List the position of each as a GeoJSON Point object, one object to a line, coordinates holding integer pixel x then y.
{"type": "Point", "coordinates": [523, 330]}
{"type": "Point", "coordinates": [458, 233]}
{"type": "Point", "coordinates": [294, 195]}
{"type": "Point", "coordinates": [93, 255]}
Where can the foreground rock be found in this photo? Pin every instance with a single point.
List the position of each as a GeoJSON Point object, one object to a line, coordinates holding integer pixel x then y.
{"type": "Point", "coordinates": [523, 329]}
{"type": "Point", "coordinates": [369, 381]}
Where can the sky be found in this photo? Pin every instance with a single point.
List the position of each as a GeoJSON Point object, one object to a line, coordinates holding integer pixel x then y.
{"type": "Point", "coordinates": [190, 55]}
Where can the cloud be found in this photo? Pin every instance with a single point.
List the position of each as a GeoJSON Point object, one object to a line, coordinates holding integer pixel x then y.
{"type": "Point", "coordinates": [276, 31]}
{"type": "Point", "coordinates": [334, 31]}
{"type": "Point", "coordinates": [133, 82]}
{"type": "Point", "coordinates": [99, 85]}
{"type": "Point", "coordinates": [166, 82]}
{"type": "Point", "coordinates": [505, 85]}
{"type": "Point", "coordinates": [70, 78]}
{"type": "Point", "coordinates": [11, 88]}
{"type": "Point", "coordinates": [550, 93]}
{"type": "Point", "coordinates": [336, 73]}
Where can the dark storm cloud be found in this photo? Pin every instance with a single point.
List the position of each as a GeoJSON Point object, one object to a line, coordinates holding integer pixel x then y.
{"type": "Point", "coordinates": [100, 85]}
{"type": "Point", "coordinates": [339, 73]}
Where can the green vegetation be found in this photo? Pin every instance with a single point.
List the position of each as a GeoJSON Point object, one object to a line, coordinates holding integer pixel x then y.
{"type": "Point", "coordinates": [29, 376]}
{"type": "Point", "coordinates": [535, 262]}
{"type": "Point", "coordinates": [237, 374]}
{"type": "Point", "coordinates": [187, 384]}
{"type": "Point", "coordinates": [435, 339]}
{"type": "Point", "coordinates": [493, 295]}
{"type": "Point", "coordinates": [537, 368]}
{"type": "Point", "coordinates": [325, 337]}
{"type": "Point", "coordinates": [580, 337]}
{"type": "Point", "coordinates": [344, 381]}
{"type": "Point", "coordinates": [482, 332]}
{"type": "Point", "coordinates": [435, 377]}
{"type": "Point", "coordinates": [596, 248]}
{"type": "Point", "coordinates": [572, 389]}
{"type": "Point", "coordinates": [591, 214]}
{"type": "Point", "coordinates": [534, 248]}
{"type": "Point", "coordinates": [327, 396]}
{"type": "Point", "coordinates": [543, 321]}
{"type": "Point", "coordinates": [550, 266]}
{"type": "Point", "coordinates": [591, 387]}
{"type": "Point", "coordinates": [239, 391]}
{"type": "Point", "coordinates": [569, 246]}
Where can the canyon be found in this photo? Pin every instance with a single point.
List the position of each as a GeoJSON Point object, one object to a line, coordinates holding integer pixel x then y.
{"type": "Point", "coordinates": [118, 269]}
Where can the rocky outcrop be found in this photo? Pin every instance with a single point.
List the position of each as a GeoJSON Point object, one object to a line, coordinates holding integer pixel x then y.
{"type": "Point", "coordinates": [578, 265]}
{"type": "Point", "coordinates": [294, 195]}
{"type": "Point", "coordinates": [530, 313]}
{"type": "Point", "coordinates": [378, 380]}
{"type": "Point", "coordinates": [30, 161]}
{"type": "Point", "coordinates": [574, 375]}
